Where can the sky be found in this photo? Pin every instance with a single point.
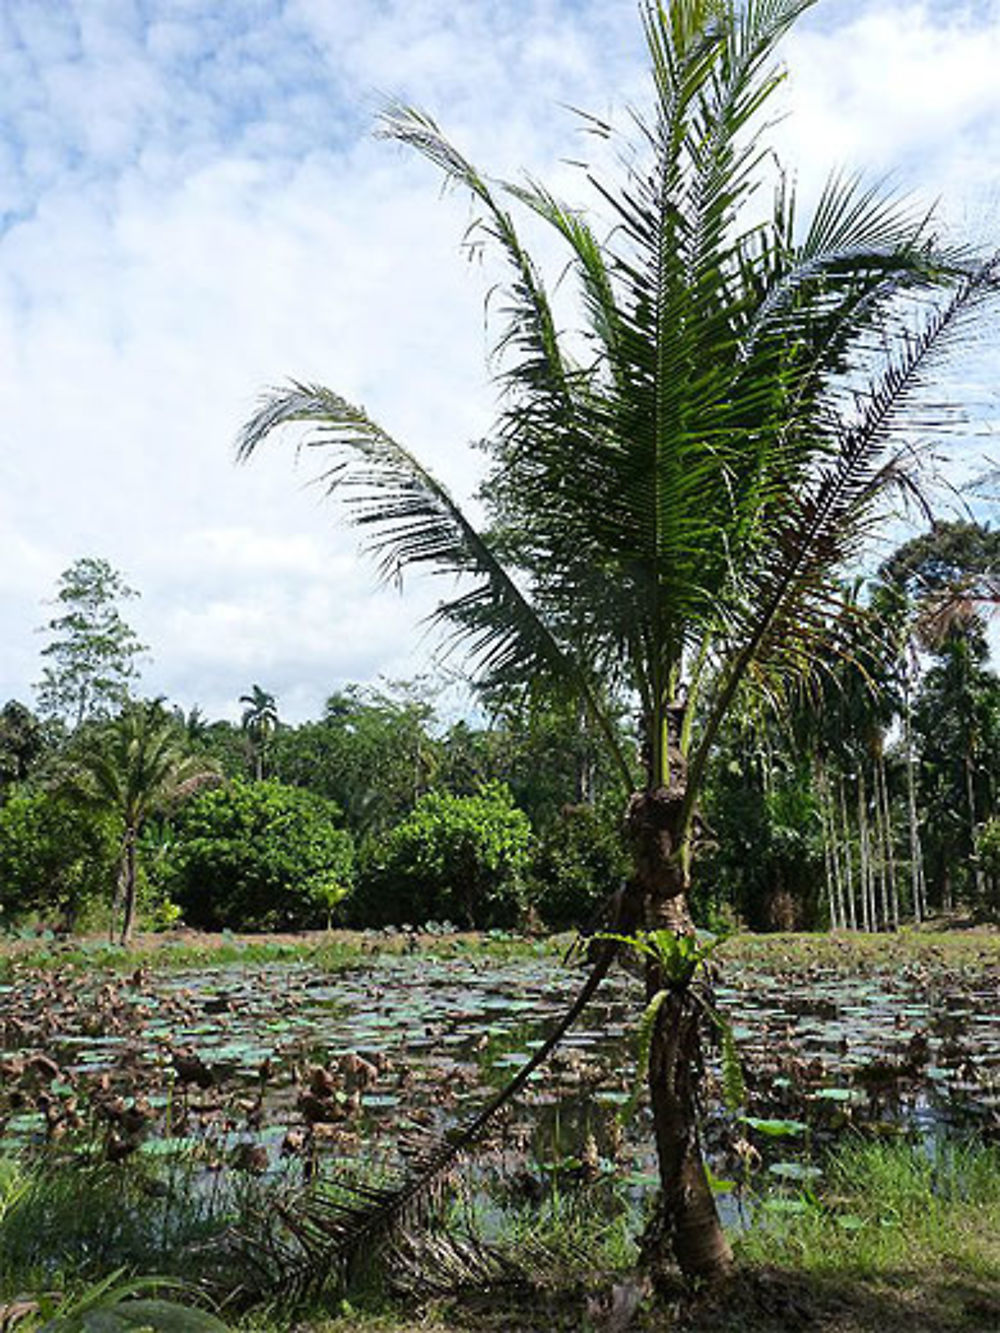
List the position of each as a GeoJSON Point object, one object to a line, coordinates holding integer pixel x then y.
{"type": "Point", "coordinates": [194, 208]}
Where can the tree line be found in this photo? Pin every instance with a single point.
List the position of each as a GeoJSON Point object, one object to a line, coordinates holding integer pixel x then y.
{"type": "Point", "coordinates": [864, 803]}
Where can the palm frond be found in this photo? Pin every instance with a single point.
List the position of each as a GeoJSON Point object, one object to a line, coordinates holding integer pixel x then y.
{"type": "Point", "coordinates": [416, 522]}
{"type": "Point", "coordinates": [530, 329]}
{"type": "Point", "coordinates": [780, 613]}
{"type": "Point", "coordinates": [327, 1237]}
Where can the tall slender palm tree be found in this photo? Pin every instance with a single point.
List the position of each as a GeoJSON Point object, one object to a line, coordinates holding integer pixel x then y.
{"type": "Point", "coordinates": [130, 769]}
{"type": "Point", "coordinates": [674, 484]}
{"type": "Point", "coordinates": [259, 721]}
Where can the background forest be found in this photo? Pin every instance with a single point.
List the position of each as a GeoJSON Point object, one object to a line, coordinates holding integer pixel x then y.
{"type": "Point", "coordinates": [867, 804]}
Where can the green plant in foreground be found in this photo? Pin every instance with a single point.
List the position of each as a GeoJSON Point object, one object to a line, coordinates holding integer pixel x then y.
{"type": "Point", "coordinates": [882, 1209]}
{"type": "Point", "coordinates": [677, 960]}
{"type": "Point", "coordinates": [66, 1222]}
{"type": "Point", "coordinates": [117, 1304]}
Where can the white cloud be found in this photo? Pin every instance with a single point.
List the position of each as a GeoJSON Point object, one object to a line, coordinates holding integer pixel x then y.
{"type": "Point", "coordinates": [195, 209]}
{"type": "Point", "coordinates": [904, 90]}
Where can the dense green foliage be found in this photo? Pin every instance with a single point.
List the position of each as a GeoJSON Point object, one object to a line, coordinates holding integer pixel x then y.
{"type": "Point", "coordinates": [579, 861]}
{"type": "Point", "coordinates": [57, 859]}
{"type": "Point", "coordinates": [371, 753]}
{"type": "Point", "coordinates": [22, 743]}
{"type": "Point", "coordinates": [259, 856]}
{"type": "Point", "coordinates": [808, 815]}
{"type": "Point", "coordinates": [764, 861]}
{"type": "Point", "coordinates": [462, 859]}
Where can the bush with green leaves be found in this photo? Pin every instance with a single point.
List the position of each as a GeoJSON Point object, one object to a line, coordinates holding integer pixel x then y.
{"type": "Point", "coordinates": [988, 852]}
{"type": "Point", "coordinates": [463, 859]}
{"type": "Point", "coordinates": [579, 861]}
{"type": "Point", "coordinates": [259, 856]}
{"type": "Point", "coordinates": [56, 859]}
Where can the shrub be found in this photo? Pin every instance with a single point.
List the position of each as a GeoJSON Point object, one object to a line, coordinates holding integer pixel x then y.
{"type": "Point", "coordinates": [259, 856]}
{"type": "Point", "coordinates": [463, 859]}
{"type": "Point", "coordinates": [580, 860]}
{"type": "Point", "coordinates": [56, 859]}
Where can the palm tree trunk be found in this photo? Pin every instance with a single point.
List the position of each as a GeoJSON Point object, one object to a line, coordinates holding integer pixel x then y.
{"type": "Point", "coordinates": [831, 859]}
{"type": "Point", "coordinates": [970, 796]}
{"type": "Point", "coordinates": [119, 894]}
{"type": "Point", "coordinates": [129, 884]}
{"type": "Point", "coordinates": [689, 1218]}
{"type": "Point", "coordinates": [848, 867]}
{"type": "Point", "coordinates": [863, 850]}
{"type": "Point", "coordinates": [880, 859]}
{"type": "Point", "coordinates": [585, 776]}
{"type": "Point", "coordinates": [688, 1205]}
{"type": "Point", "coordinates": [889, 851]}
{"type": "Point", "coordinates": [916, 857]}
{"type": "Point", "coordinates": [829, 869]}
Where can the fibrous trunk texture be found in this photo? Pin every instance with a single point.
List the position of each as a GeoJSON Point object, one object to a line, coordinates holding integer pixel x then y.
{"type": "Point", "coordinates": [689, 1222]}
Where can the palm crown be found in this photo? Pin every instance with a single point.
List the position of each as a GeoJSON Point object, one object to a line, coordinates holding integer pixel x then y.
{"type": "Point", "coordinates": [679, 497]}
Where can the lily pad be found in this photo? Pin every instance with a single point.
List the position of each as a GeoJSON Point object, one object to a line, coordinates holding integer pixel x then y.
{"type": "Point", "coordinates": [775, 1129]}
{"type": "Point", "coordinates": [794, 1171]}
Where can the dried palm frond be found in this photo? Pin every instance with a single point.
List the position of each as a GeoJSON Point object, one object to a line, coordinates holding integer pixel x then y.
{"type": "Point", "coordinates": [326, 1237]}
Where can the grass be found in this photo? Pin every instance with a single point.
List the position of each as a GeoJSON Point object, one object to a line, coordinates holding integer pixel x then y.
{"type": "Point", "coordinates": [64, 1221]}
{"type": "Point", "coordinates": [897, 1239]}
{"type": "Point", "coordinates": [961, 948]}
{"type": "Point", "coordinates": [329, 950]}
{"type": "Point", "coordinates": [889, 1208]}
{"type": "Point", "coordinates": [338, 949]}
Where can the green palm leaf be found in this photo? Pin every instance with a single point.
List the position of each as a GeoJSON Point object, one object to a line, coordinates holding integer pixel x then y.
{"type": "Point", "coordinates": [415, 521]}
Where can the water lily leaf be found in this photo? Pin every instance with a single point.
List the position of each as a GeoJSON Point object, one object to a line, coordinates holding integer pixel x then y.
{"type": "Point", "coordinates": [716, 1185]}
{"type": "Point", "coordinates": [611, 1097]}
{"type": "Point", "coordinates": [774, 1129]}
{"type": "Point", "coordinates": [794, 1171]}
{"type": "Point", "coordinates": [647, 1179]}
{"type": "Point", "coordinates": [30, 1122]}
{"type": "Point", "coordinates": [793, 1207]}
{"type": "Point", "coordinates": [169, 1147]}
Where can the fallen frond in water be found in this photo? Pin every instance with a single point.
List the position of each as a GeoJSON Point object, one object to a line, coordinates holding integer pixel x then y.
{"type": "Point", "coordinates": [331, 1234]}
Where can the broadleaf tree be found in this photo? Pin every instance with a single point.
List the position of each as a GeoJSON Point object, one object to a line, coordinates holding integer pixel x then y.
{"type": "Point", "coordinates": [673, 492]}
{"type": "Point", "coordinates": [93, 653]}
{"type": "Point", "coordinates": [22, 743]}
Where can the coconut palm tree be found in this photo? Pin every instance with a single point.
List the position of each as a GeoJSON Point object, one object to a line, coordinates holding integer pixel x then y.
{"type": "Point", "coordinates": [131, 768]}
{"type": "Point", "coordinates": [674, 484]}
{"type": "Point", "coordinates": [259, 721]}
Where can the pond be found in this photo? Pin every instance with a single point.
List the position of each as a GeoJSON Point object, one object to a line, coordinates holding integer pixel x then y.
{"type": "Point", "coordinates": [267, 1068]}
